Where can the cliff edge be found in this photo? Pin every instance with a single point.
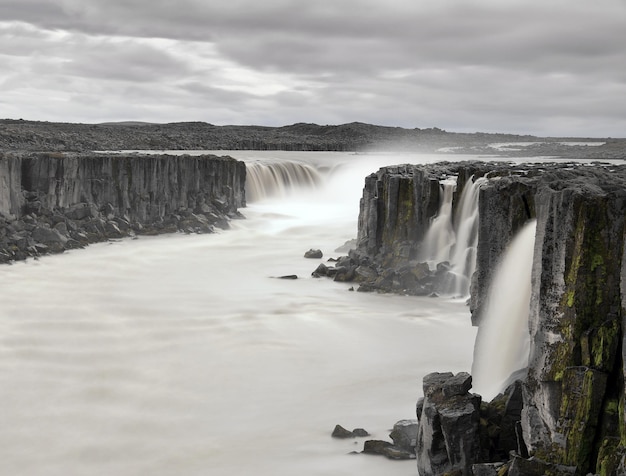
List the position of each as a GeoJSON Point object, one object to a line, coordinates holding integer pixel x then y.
{"type": "Point", "coordinates": [573, 415]}
{"type": "Point", "coordinates": [51, 202]}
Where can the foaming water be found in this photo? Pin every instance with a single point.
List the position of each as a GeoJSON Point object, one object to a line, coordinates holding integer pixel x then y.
{"type": "Point", "coordinates": [270, 178]}
{"type": "Point", "coordinates": [503, 339]}
{"type": "Point", "coordinates": [454, 239]}
{"type": "Point", "coordinates": [463, 256]}
{"type": "Point", "coordinates": [184, 355]}
{"type": "Point", "coordinates": [440, 237]}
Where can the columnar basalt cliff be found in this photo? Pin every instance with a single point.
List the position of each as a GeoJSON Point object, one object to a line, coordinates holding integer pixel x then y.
{"type": "Point", "coordinates": [50, 202]}
{"type": "Point", "coordinates": [573, 416]}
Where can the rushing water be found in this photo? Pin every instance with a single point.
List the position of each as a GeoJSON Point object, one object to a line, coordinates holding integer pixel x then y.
{"type": "Point", "coordinates": [505, 324]}
{"type": "Point", "coordinates": [184, 355]}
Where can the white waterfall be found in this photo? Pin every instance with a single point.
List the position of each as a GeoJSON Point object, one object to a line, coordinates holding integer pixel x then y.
{"type": "Point", "coordinates": [503, 340]}
{"type": "Point", "coordinates": [440, 236]}
{"type": "Point", "coordinates": [463, 257]}
{"type": "Point", "coordinates": [276, 178]}
{"type": "Point", "coordinates": [454, 239]}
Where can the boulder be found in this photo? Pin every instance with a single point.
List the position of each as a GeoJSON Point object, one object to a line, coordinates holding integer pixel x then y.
{"type": "Point", "coordinates": [389, 450]}
{"type": "Point", "coordinates": [340, 432]}
{"type": "Point", "coordinates": [448, 433]}
{"type": "Point", "coordinates": [313, 254]}
{"type": "Point", "coordinates": [404, 434]}
{"type": "Point", "coordinates": [321, 270]}
{"type": "Point", "coordinates": [48, 236]}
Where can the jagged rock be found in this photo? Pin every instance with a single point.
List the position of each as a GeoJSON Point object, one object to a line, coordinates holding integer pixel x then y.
{"type": "Point", "coordinates": [536, 467]}
{"type": "Point", "coordinates": [404, 434]}
{"type": "Point", "coordinates": [458, 384]}
{"type": "Point", "coordinates": [376, 447]}
{"type": "Point", "coordinates": [500, 430]}
{"type": "Point", "coordinates": [321, 270]}
{"type": "Point", "coordinates": [64, 201]}
{"type": "Point", "coordinates": [313, 254]}
{"type": "Point", "coordinates": [447, 438]}
{"type": "Point", "coordinates": [340, 432]}
{"type": "Point", "coordinates": [384, 448]}
{"type": "Point", "coordinates": [574, 387]}
{"type": "Point", "coordinates": [48, 236]}
{"type": "Point", "coordinates": [365, 273]}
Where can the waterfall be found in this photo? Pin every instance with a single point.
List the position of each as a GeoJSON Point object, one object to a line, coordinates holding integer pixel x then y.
{"type": "Point", "coordinates": [455, 240]}
{"type": "Point", "coordinates": [503, 340]}
{"type": "Point", "coordinates": [463, 257]}
{"type": "Point", "coordinates": [440, 236]}
{"type": "Point", "coordinates": [275, 178]}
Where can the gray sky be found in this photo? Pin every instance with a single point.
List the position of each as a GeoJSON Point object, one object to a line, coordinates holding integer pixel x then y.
{"type": "Point", "coordinates": [546, 67]}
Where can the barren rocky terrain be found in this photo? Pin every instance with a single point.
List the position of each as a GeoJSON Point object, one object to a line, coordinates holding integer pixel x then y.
{"type": "Point", "coordinates": [21, 135]}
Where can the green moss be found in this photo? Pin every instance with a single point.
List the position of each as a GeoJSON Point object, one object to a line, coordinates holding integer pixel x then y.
{"type": "Point", "coordinates": [622, 420]}
{"type": "Point", "coordinates": [609, 457]}
{"type": "Point", "coordinates": [582, 396]}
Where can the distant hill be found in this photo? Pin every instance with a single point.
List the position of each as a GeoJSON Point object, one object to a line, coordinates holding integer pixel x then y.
{"type": "Point", "coordinates": [21, 135]}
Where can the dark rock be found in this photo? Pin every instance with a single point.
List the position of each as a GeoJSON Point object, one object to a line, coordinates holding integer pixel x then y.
{"type": "Point", "coordinates": [365, 273]}
{"type": "Point", "coordinates": [48, 235]}
{"type": "Point", "coordinates": [345, 262]}
{"type": "Point", "coordinates": [458, 384]}
{"type": "Point", "coordinates": [288, 276]}
{"type": "Point", "coordinates": [537, 467]}
{"type": "Point", "coordinates": [384, 448]}
{"type": "Point", "coordinates": [376, 447]}
{"type": "Point", "coordinates": [448, 434]}
{"type": "Point", "coordinates": [500, 431]}
{"type": "Point", "coordinates": [64, 201]}
{"type": "Point", "coordinates": [419, 406]}
{"type": "Point", "coordinates": [321, 270]}
{"type": "Point", "coordinates": [313, 254]}
{"type": "Point", "coordinates": [397, 453]}
{"type": "Point", "coordinates": [341, 432]}
{"type": "Point", "coordinates": [404, 434]}
{"type": "Point", "coordinates": [344, 275]}
{"type": "Point", "coordinates": [487, 469]}
{"type": "Point", "coordinates": [360, 432]}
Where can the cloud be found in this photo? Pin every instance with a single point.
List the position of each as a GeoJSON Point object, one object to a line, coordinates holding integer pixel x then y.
{"type": "Point", "coordinates": [516, 66]}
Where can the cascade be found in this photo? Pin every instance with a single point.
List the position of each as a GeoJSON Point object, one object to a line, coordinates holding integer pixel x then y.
{"type": "Point", "coordinates": [503, 340]}
{"type": "Point", "coordinates": [454, 239]}
{"type": "Point", "coordinates": [275, 178]}
{"type": "Point", "coordinates": [463, 256]}
{"type": "Point", "coordinates": [440, 236]}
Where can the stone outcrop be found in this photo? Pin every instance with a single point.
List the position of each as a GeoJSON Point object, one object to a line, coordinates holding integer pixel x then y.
{"type": "Point", "coordinates": [573, 416]}
{"type": "Point", "coordinates": [574, 394]}
{"type": "Point", "coordinates": [400, 203]}
{"type": "Point", "coordinates": [448, 439]}
{"type": "Point", "coordinates": [51, 202]}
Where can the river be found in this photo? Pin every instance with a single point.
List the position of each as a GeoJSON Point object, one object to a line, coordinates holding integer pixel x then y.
{"type": "Point", "coordinates": [185, 355]}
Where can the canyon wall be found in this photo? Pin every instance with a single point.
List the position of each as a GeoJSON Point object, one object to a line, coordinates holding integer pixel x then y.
{"type": "Point", "coordinates": [573, 416]}
{"type": "Point", "coordinates": [51, 201]}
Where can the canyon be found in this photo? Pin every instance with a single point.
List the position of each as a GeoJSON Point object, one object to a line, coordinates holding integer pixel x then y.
{"type": "Point", "coordinates": [572, 392]}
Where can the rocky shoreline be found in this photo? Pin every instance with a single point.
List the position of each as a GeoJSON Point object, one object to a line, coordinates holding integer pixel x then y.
{"type": "Point", "coordinates": [566, 415]}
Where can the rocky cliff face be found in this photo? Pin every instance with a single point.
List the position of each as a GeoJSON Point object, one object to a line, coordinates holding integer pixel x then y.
{"type": "Point", "coordinates": [51, 202]}
{"type": "Point", "coordinates": [573, 417]}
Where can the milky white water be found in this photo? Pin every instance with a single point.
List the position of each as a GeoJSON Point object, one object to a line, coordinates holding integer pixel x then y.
{"type": "Point", "coordinates": [505, 323]}
{"type": "Point", "coordinates": [182, 355]}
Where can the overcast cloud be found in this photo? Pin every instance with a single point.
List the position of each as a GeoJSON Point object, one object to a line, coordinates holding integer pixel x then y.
{"type": "Point", "coordinates": [555, 67]}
